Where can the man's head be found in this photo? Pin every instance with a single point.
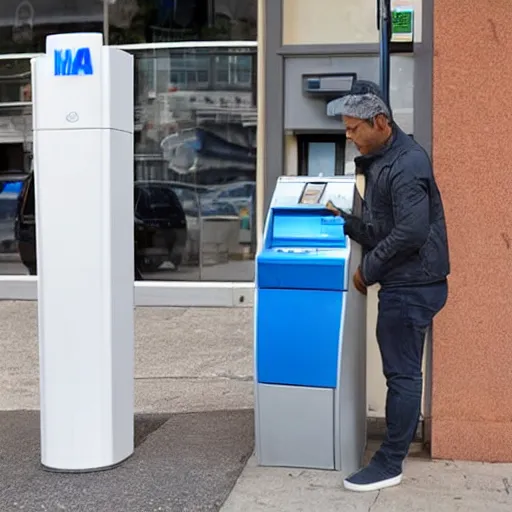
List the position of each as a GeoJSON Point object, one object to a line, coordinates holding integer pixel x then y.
{"type": "Point", "coordinates": [367, 117]}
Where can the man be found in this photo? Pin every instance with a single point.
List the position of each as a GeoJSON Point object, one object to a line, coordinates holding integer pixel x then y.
{"type": "Point", "coordinates": [403, 234]}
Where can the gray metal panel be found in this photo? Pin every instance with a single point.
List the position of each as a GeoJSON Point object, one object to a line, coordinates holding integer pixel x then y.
{"type": "Point", "coordinates": [425, 425]}
{"type": "Point", "coordinates": [257, 421]}
{"type": "Point", "coordinates": [18, 287]}
{"type": "Point", "coordinates": [423, 72]}
{"type": "Point", "coordinates": [296, 426]}
{"type": "Point", "coordinates": [303, 113]}
{"type": "Point", "coordinates": [401, 92]}
{"type": "Point", "coordinates": [306, 114]}
{"type": "Point", "coordinates": [153, 293]}
{"type": "Point", "coordinates": [273, 151]}
{"type": "Point", "coordinates": [273, 107]}
{"type": "Point", "coordinates": [350, 397]}
{"type": "Point", "coordinates": [423, 122]}
{"type": "Point", "coordinates": [289, 50]}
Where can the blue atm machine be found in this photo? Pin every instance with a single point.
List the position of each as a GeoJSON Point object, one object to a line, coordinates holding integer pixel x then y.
{"type": "Point", "coordinates": [310, 332]}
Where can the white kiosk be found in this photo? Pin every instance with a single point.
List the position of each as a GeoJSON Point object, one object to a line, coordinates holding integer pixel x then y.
{"type": "Point", "coordinates": [83, 161]}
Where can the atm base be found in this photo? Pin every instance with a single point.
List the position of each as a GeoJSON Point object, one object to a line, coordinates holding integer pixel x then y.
{"type": "Point", "coordinates": [295, 426]}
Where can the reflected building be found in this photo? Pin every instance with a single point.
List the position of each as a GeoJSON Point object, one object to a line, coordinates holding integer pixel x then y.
{"type": "Point", "coordinates": [24, 24]}
{"type": "Point", "coordinates": [195, 122]}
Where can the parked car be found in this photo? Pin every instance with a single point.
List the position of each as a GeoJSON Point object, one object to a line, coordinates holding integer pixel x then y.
{"type": "Point", "coordinates": [160, 227]}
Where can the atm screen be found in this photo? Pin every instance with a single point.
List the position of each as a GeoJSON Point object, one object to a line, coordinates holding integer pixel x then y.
{"type": "Point", "coordinates": [312, 193]}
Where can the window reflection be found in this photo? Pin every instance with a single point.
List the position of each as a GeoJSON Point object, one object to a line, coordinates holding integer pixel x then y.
{"type": "Point", "coordinates": [196, 137]}
{"type": "Point", "coordinates": [15, 81]}
{"type": "Point", "coordinates": [24, 24]}
{"type": "Point", "coordinates": [11, 185]}
{"type": "Point", "coordinates": [195, 165]}
{"type": "Point", "coordinates": [160, 226]}
{"type": "Point", "coordinates": [15, 151]}
{"type": "Point", "coordinates": [132, 21]}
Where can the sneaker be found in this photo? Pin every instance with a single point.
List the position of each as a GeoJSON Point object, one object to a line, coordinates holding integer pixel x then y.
{"type": "Point", "coordinates": [370, 478]}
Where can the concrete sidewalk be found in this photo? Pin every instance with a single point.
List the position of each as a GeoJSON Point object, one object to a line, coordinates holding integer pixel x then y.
{"type": "Point", "coordinates": [186, 359]}
{"type": "Point", "coordinates": [194, 430]}
{"type": "Point", "coordinates": [428, 486]}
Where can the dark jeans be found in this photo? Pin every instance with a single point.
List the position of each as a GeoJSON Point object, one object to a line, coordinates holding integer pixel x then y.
{"type": "Point", "coordinates": [405, 314]}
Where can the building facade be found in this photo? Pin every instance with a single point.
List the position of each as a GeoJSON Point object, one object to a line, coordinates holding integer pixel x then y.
{"type": "Point", "coordinates": [457, 105]}
{"type": "Point", "coordinates": [299, 37]}
{"type": "Point", "coordinates": [217, 122]}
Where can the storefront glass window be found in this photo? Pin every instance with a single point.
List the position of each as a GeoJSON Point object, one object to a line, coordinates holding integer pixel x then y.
{"type": "Point", "coordinates": [195, 120]}
{"type": "Point", "coordinates": [15, 151]}
{"type": "Point", "coordinates": [195, 163]}
{"type": "Point", "coordinates": [24, 24]}
{"type": "Point", "coordinates": [152, 21]}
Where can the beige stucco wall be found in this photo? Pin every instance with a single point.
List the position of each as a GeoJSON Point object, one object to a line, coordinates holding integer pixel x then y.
{"type": "Point", "coordinates": [337, 21]}
{"type": "Point", "coordinates": [291, 155]}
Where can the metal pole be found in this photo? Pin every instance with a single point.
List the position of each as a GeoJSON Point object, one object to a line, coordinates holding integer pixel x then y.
{"type": "Point", "coordinates": [106, 4]}
{"type": "Point", "coordinates": [384, 25]}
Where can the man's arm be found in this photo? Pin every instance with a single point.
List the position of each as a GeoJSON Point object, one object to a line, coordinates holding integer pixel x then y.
{"type": "Point", "coordinates": [354, 227]}
{"type": "Point", "coordinates": [359, 231]}
{"type": "Point", "coordinates": [410, 199]}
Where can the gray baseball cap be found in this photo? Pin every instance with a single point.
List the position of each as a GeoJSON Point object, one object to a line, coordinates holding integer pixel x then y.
{"type": "Point", "coordinates": [364, 101]}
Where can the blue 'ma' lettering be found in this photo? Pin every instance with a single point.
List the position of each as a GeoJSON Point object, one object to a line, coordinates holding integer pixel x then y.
{"type": "Point", "coordinates": [69, 64]}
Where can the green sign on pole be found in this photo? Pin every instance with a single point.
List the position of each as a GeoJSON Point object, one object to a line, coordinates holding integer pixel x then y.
{"type": "Point", "coordinates": [402, 24]}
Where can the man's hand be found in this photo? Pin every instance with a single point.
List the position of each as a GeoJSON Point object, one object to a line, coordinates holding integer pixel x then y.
{"type": "Point", "coordinates": [337, 211]}
{"type": "Point", "coordinates": [359, 282]}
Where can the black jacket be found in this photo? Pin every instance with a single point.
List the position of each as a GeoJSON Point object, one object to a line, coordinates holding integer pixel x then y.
{"type": "Point", "coordinates": [402, 228]}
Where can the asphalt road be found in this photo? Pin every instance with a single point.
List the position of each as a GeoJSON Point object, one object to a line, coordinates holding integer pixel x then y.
{"type": "Point", "coordinates": [194, 423]}
{"type": "Point", "coordinates": [190, 463]}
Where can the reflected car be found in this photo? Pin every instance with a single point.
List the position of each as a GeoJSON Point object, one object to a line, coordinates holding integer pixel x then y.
{"type": "Point", "coordinates": [160, 227]}
{"type": "Point", "coordinates": [217, 209]}
{"type": "Point", "coordinates": [11, 184]}
{"type": "Point", "coordinates": [240, 195]}
{"type": "Point", "coordinates": [188, 194]}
